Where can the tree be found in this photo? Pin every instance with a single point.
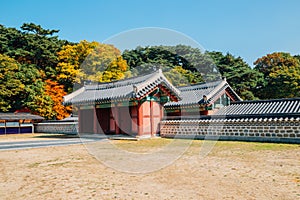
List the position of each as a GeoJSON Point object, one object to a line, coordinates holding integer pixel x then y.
{"type": "Point", "coordinates": [117, 70]}
{"type": "Point", "coordinates": [238, 73]}
{"type": "Point", "coordinates": [281, 76]}
{"type": "Point", "coordinates": [181, 77]}
{"type": "Point", "coordinates": [32, 45]}
{"type": "Point", "coordinates": [56, 93]}
{"type": "Point", "coordinates": [21, 87]}
{"type": "Point", "coordinates": [10, 85]}
{"type": "Point", "coordinates": [70, 58]}
{"type": "Point", "coordinates": [33, 97]}
{"type": "Point", "coordinates": [144, 60]}
{"type": "Point", "coordinates": [37, 29]}
{"type": "Point", "coordinates": [84, 61]}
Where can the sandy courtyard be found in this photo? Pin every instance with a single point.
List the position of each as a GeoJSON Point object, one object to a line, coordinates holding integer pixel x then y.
{"type": "Point", "coordinates": [232, 170]}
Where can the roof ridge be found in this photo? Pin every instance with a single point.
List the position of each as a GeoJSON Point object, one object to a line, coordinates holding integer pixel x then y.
{"type": "Point", "coordinates": [191, 87]}
{"type": "Point", "coordinates": [158, 76]}
{"type": "Point", "coordinates": [216, 89]}
{"type": "Point", "coordinates": [123, 82]}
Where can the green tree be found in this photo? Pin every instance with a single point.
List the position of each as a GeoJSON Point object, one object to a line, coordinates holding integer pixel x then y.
{"type": "Point", "coordinates": [33, 95]}
{"type": "Point", "coordinates": [10, 85]}
{"type": "Point", "coordinates": [21, 87]}
{"type": "Point", "coordinates": [238, 73]}
{"type": "Point", "coordinates": [32, 45]}
{"type": "Point", "coordinates": [281, 76]}
{"type": "Point", "coordinates": [144, 60]}
{"type": "Point", "coordinates": [181, 77]}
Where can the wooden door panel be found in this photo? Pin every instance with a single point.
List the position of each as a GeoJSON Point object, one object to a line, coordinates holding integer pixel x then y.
{"type": "Point", "coordinates": [124, 121]}
{"type": "Point", "coordinates": [86, 121]}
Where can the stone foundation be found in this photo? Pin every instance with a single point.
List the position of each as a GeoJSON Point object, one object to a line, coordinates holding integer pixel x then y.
{"type": "Point", "coordinates": [251, 129]}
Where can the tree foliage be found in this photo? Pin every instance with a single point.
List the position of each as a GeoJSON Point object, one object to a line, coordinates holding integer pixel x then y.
{"type": "Point", "coordinates": [89, 61]}
{"type": "Point", "coordinates": [32, 45]}
{"type": "Point", "coordinates": [70, 58]}
{"type": "Point", "coordinates": [30, 54]}
{"type": "Point", "coordinates": [281, 76]}
{"type": "Point", "coordinates": [238, 73]}
{"type": "Point", "coordinates": [144, 60]}
{"type": "Point", "coordinates": [56, 93]}
{"type": "Point", "coordinates": [117, 69]}
{"type": "Point", "coordinates": [10, 85]}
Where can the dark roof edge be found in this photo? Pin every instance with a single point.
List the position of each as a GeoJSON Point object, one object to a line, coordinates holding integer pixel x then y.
{"type": "Point", "coordinates": [289, 115]}
{"type": "Point", "coordinates": [266, 100]}
{"type": "Point", "coordinates": [186, 87]}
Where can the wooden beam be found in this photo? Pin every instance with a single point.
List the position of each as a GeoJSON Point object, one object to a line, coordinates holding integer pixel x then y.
{"type": "Point", "coordinates": [140, 119]}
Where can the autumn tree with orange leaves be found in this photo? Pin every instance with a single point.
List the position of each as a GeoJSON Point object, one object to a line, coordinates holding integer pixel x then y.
{"type": "Point", "coordinates": [56, 93]}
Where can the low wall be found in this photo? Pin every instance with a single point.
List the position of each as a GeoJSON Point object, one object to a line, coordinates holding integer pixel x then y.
{"type": "Point", "coordinates": [285, 130]}
{"type": "Point", "coordinates": [57, 127]}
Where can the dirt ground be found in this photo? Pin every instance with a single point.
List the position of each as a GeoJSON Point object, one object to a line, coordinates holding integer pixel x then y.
{"type": "Point", "coordinates": [231, 170]}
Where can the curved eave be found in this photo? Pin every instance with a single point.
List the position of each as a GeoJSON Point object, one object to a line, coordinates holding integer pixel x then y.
{"type": "Point", "coordinates": [100, 101]}
{"type": "Point", "coordinates": [186, 105]}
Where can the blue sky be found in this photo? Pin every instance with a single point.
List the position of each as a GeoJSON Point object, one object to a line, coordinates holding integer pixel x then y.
{"type": "Point", "coordinates": [246, 28]}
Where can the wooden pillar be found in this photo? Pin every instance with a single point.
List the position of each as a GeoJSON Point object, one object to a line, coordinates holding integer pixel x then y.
{"type": "Point", "coordinates": [134, 118]}
{"type": "Point", "coordinates": [95, 119]}
{"type": "Point", "coordinates": [79, 120]}
{"type": "Point", "coordinates": [151, 119]}
{"type": "Point", "coordinates": [117, 118]}
{"type": "Point", "coordinates": [161, 111]}
{"type": "Point", "coordinates": [140, 119]}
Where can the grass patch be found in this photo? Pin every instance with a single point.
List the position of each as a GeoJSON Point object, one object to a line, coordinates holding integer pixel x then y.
{"type": "Point", "coordinates": [274, 146]}
{"type": "Point", "coordinates": [238, 146]}
{"type": "Point", "coordinates": [141, 145]}
{"type": "Point", "coordinates": [55, 135]}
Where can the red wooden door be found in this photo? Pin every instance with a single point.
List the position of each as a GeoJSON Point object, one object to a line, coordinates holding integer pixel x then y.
{"type": "Point", "coordinates": [124, 120]}
{"type": "Point", "coordinates": [103, 118]}
{"type": "Point", "coordinates": [150, 115]}
{"type": "Point", "coordinates": [155, 117]}
{"type": "Point", "coordinates": [134, 119]}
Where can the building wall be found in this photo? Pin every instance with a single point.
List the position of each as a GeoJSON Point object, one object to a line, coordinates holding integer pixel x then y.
{"type": "Point", "coordinates": [58, 127]}
{"type": "Point", "coordinates": [264, 130]}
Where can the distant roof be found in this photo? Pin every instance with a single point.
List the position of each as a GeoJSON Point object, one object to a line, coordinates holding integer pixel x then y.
{"type": "Point", "coordinates": [212, 90]}
{"type": "Point", "coordinates": [132, 88]}
{"type": "Point", "coordinates": [275, 107]}
{"type": "Point", "coordinates": [19, 116]}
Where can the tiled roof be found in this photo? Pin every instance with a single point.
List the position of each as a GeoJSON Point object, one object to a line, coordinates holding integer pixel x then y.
{"type": "Point", "coordinates": [277, 107]}
{"type": "Point", "coordinates": [135, 88]}
{"type": "Point", "coordinates": [19, 116]}
{"type": "Point", "coordinates": [194, 94]}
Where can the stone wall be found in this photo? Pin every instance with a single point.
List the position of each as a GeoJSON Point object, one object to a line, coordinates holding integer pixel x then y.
{"type": "Point", "coordinates": [56, 127]}
{"type": "Point", "coordinates": [249, 129]}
